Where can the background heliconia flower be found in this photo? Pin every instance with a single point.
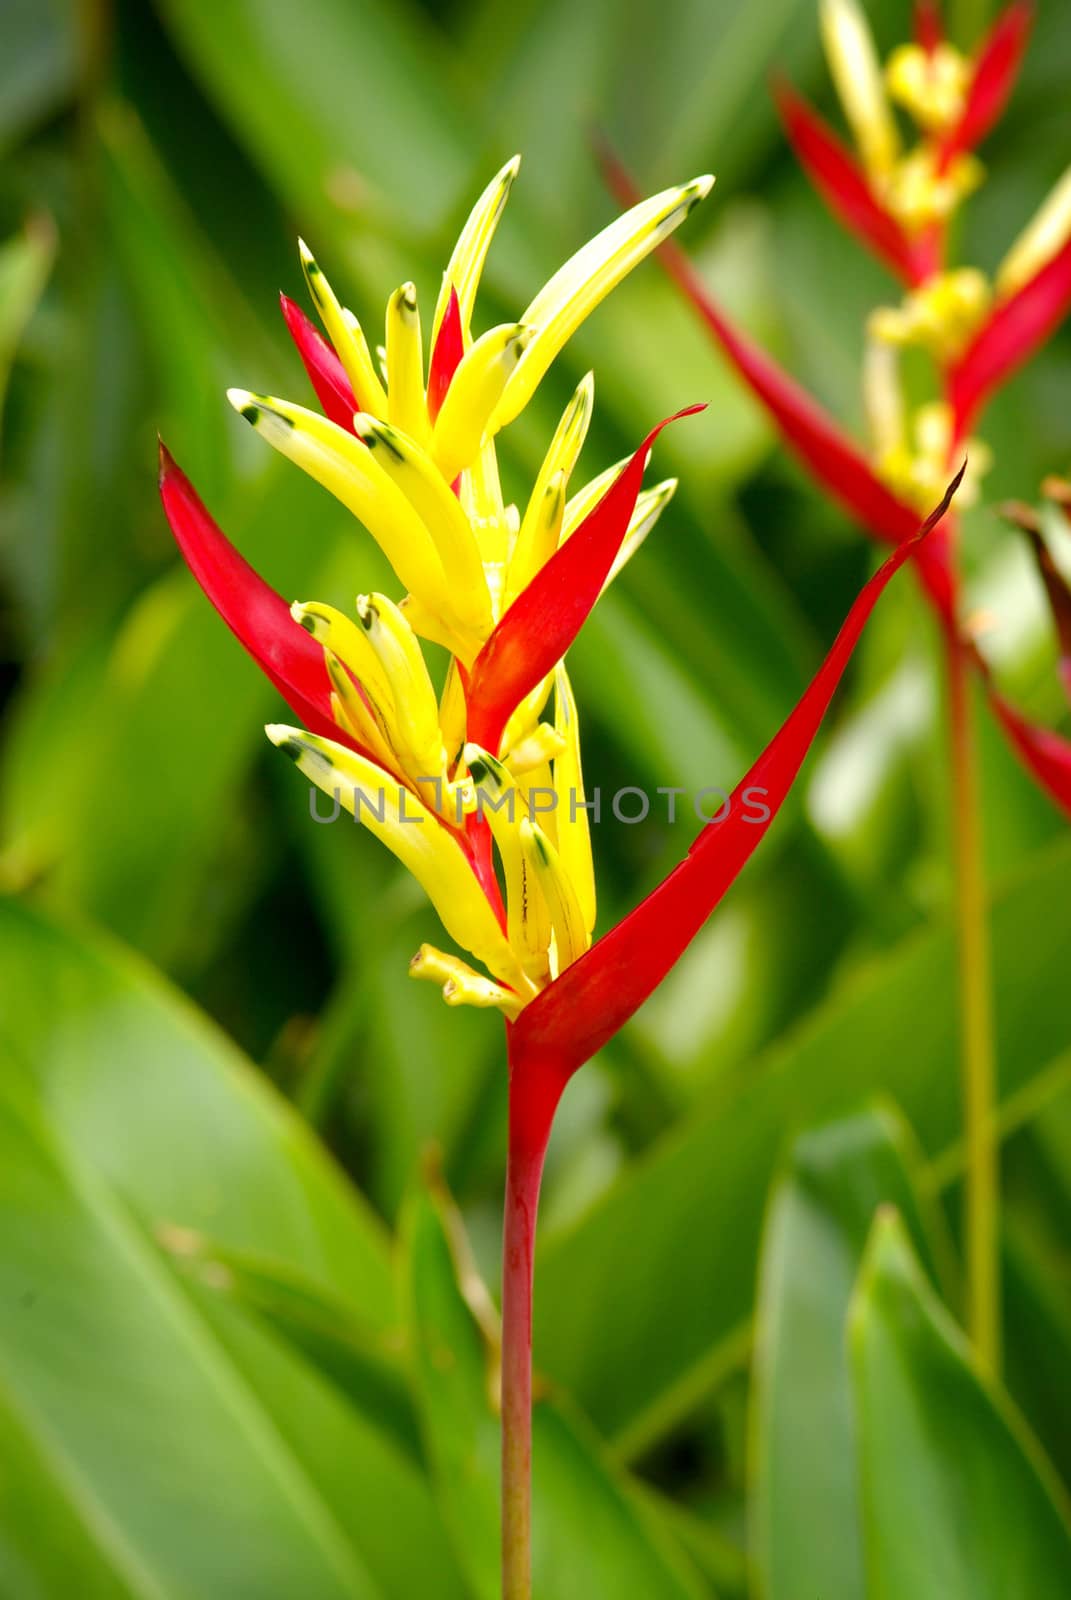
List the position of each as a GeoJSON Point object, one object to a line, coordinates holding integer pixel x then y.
{"type": "Point", "coordinates": [900, 205]}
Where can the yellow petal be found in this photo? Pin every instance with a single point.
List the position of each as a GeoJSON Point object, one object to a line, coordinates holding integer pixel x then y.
{"type": "Point", "coordinates": [418, 478]}
{"type": "Point", "coordinates": [341, 635]}
{"type": "Point", "coordinates": [649, 507]}
{"type": "Point", "coordinates": [577, 288]}
{"type": "Point", "coordinates": [344, 332]}
{"type": "Point", "coordinates": [406, 406]}
{"type": "Point", "coordinates": [533, 546]}
{"type": "Point", "coordinates": [883, 399]}
{"type": "Point", "coordinates": [574, 833]}
{"type": "Point", "coordinates": [568, 440]}
{"type": "Point", "coordinates": [432, 625]}
{"type": "Point", "coordinates": [419, 840]}
{"type": "Point", "coordinates": [453, 714]}
{"type": "Point", "coordinates": [462, 986]}
{"type": "Point", "coordinates": [524, 717]}
{"type": "Point", "coordinates": [402, 660]}
{"type": "Point", "coordinates": [536, 749]}
{"type": "Point", "coordinates": [567, 919]}
{"type": "Point", "coordinates": [481, 497]}
{"type": "Point", "coordinates": [501, 802]}
{"type": "Point", "coordinates": [537, 539]}
{"type": "Point", "coordinates": [360, 719]}
{"type": "Point", "coordinates": [930, 84]}
{"type": "Point", "coordinates": [344, 466]}
{"type": "Point", "coordinates": [477, 386]}
{"type": "Point", "coordinates": [1039, 241]}
{"type": "Point", "coordinates": [466, 264]}
{"type": "Point", "coordinates": [853, 61]}
{"type": "Point", "coordinates": [584, 501]}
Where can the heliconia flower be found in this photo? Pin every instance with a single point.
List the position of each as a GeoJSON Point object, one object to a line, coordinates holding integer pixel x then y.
{"type": "Point", "coordinates": [898, 204]}
{"type": "Point", "coordinates": [410, 451]}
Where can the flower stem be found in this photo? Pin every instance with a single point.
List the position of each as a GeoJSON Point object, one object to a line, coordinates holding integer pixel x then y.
{"type": "Point", "coordinates": [978, 1055]}
{"type": "Point", "coordinates": [532, 1106]}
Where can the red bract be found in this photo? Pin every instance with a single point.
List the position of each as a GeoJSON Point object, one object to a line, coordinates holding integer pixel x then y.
{"type": "Point", "coordinates": [844, 186]}
{"type": "Point", "coordinates": [928, 29]}
{"type": "Point", "coordinates": [546, 617]}
{"type": "Point", "coordinates": [1059, 598]}
{"type": "Point", "coordinates": [258, 617]}
{"type": "Point", "coordinates": [565, 1025]}
{"type": "Point", "coordinates": [326, 372]}
{"type": "Point", "coordinates": [1010, 336]}
{"type": "Point", "coordinates": [996, 68]}
{"type": "Point", "coordinates": [446, 356]}
{"type": "Point", "coordinates": [1044, 753]}
{"type": "Point", "coordinates": [831, 457]}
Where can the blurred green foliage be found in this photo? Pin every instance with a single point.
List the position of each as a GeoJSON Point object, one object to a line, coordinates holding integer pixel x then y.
{"type": "Point", "coordinates": [234, 1356]}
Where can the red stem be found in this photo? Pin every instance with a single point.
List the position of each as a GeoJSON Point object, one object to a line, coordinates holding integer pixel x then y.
{"type": "Point", "coordinates": [535, 1089]}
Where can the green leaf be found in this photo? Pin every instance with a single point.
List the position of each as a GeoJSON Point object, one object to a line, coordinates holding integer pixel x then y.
{"type": "Point", "coordinates": [958, 1501]}
{"type": "Point", "coordinates": [38, 65]}
{"type": "Point", "coordinates": [24, 266]}
{"type": "Point", "coordinates": [688, 1215]}
{"type": "Point", "coordinates": [593, 1538]}
{"type": "Point", "coordinates": [172, 1116]}
{"type": "Point", "coordinates": [349, 110]}
{"type": "Point", "coordinates": [242, 1429]}
{"type": "Point", "coordinates": [368, 1370]}
{"type": "Point", "coordinates": [805, 1530]}
{"type": "Point", "coordinates": [156, 1444]}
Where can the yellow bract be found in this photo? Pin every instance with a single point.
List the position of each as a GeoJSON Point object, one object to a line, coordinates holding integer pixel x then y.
{"type": "Point", "coordinates": [406, 404]}
{"type": "Point", "coordinates": [930, 84]}
{"type": "Point", "coordinates": [939, 317]}
{"type": "Point", "coordinates": [853, 61]}
{"type": "Point", "coordinates": [345, 334]}
{"type": "Point", "coordinates": [577, 288]}
{"type": "Point", "coordinates": [1039, 241]}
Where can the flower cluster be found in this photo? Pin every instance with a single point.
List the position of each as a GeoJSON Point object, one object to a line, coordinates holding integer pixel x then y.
{"type": "Point", "coordinates": [899, 204]}
{"type": "Point", "coordinates": [502, 590]}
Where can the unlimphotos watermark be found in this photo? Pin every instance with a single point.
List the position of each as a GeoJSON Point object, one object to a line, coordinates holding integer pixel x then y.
{"type": "Point", "coordinates": [629, 805]}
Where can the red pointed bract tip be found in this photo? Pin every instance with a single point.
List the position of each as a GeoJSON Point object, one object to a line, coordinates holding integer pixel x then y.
{"type": "Point", "coordinates": [326, 372]}
{"type": "Point", "coordinates": [1044, 754]}
{"type": "Point", "coordinates": [843, 185]}
{"type": "Point", "coordinates": [1017, 327]}
{"type": "Point", "coordinates": [565, 1025]}
{"type": "Point", "coordinates": [996, 67]}
{"type": "Point", "coordinates": [258, 617]}
{"type": "Point", "coordinates": [928, 26]}
{"type": "Point", "coordinates": [541, 624]}
{"type": "Point", "coordinates": [1058, 594]}
{"type": "Point", "coordinates": [446, 356]}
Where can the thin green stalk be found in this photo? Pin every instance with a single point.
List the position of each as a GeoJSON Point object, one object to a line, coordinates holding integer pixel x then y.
{"type": "Point", "coordinates": [522, 1195]}
{"type": "Point", "coordinates": [978, 1054]}
{"type": "Point", "coordinates": [534, 1096]}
